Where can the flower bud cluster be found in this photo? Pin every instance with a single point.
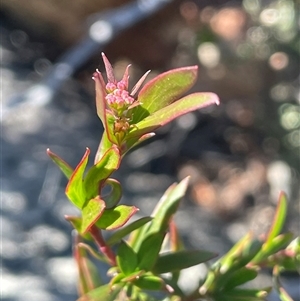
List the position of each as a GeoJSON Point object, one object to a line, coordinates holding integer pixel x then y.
{"type": "Point", "coordinates": [118, 97]}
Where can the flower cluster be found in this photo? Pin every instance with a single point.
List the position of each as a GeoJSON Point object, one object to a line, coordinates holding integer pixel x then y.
{"type": "Point", "coordinates": [118, 98]}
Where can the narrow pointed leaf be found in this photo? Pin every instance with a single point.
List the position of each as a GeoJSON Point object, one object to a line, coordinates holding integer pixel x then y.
{"type": "Point", "coordinates": [103, 113]}
{"type": "Point", "coordinates": [166, 114]}
{"type": "Point", "coordinates": [278, 243]}
{"type": "Point", "coordinates": [149, 250]}
{"type": "Point", "coordinates": [101, 171]}
{"type": "Point", "coordinates": [133, 142]}
{"type": "Point", "coordinates": [249, 293]}
{"type": "Point", "coordinates": [100, 96]}
{"type": "Point", "coordinates": [239, 277]}
{"type": "Point", "coordinates": [119, 234]}
{"type": "Point", "coordinates": [170, 262]}
{"type": "Point", "coordinates": [126, 259]}
{"type": "Point", "coordinates": [226, 261]}
{"type": "Point", "coordinates": [162, 213]}
{"type": "Point", "coordinates": [65, 167]}
{"type": "Point", "coordinates": [163, 90]}
{"type": "Point", "coordinates": [91, 212]}
{"type": "Point", "coordinates": [75, 189]}
{"type": "Point", "coordinates": [279, 219]}
{"type": "Point", "coordinates": [167, 207]}
{"type": "Point", "coordinates": [116, 217]}
{"type": "Point", "coordinates": [149, 282]}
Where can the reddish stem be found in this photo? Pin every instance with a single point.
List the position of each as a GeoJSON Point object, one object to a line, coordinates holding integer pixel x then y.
{"type": "Point", "coordinates": [103, 247]}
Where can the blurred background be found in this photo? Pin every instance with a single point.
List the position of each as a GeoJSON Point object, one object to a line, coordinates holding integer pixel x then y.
{"type": "Point", "coordinates": [239, 154]}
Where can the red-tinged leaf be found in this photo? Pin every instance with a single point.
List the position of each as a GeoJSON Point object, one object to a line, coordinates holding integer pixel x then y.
{"type": "Point", "coordinates": [75, 190]}
{"type": "Point", "coordinates": [88, 274]}
{"type": "Point", "coordinates": [116, 217]}
{"type": "Point", "coordinates": [91, 212]}
{"type": "Point", "coordinates": [92, 252]}
{"type": "Point", "coordinates": [133, 142]}
{"type": "Point", "coordinates": [279, 219]}
{"type": "Point", "coordinates": [119, 234]}
{"type": "Point", "coordinates": [126, 259]}
{"type": "Point", "coordinates": [165, 115]}
{"type": "Point", "coordinates": [104, 115]}
{"type": "Point", "coordinates": [176, 243]}
{"type": "Point", "coordinates": [109, 69]}
{"type": "Point", "coordinates": [101, 171]}
{"type": "Point", "coordinates": [163, 90]}
{"type": "Point", "coordinates": [76, 222]}
{"type": "Point", "coordinates": [65, 167]}
{"type": "Point", "coordinates": [100, 96]}
{"type": "Point", "coordinates": [113, 197]}
{"type": "Point", "coordinates": [169, 262]}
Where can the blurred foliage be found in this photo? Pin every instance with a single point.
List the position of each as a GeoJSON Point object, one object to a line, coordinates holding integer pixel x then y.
{"type": "Point", "coordinates": [257, 43]}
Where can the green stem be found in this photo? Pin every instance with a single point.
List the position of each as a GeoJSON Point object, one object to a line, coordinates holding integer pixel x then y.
{"type": "Point", "coordinates": [103, 247]}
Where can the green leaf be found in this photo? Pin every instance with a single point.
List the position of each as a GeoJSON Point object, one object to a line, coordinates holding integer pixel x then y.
{"type": "Point", "coordinates": [101, 171]}
{"type": "Point", "coordinates": [102, 293]}
{"type": "Point", "coordinates": [91, 212]}
{"type": "Point", "coordinates": [104, 145]}
{"type": "Point", "coordinates": [279, 219]}
{"type": "Point", "coordinates": [239, 277]}
{"type": "Point", "coordinates": [113, 197]}
{"type": "Point", "coordinates": [149, 282]}
{"type": "Point", "coordinates": [65, 167]}
{"type": "Point", "coordinates": [242, 295]}
{"type": "Point", "coordinates": [149, 250]}
{"type": "Point", "coordinates": [116, 217]}
{"type": "Point", "coordinates": [162, 213]}
{"type": "Point", "coordinates": [132, 142]}
{"type": "Point", "coordinates": [126, 258]}
{"type": "Point", "coordinates": [163, 90]}
{"type": "Point", "coordinates": [166, 114]}
{"type": "Point", "coordinates": [278, 243]}
{"type": "Point", "coordinates": [169, 262]}
{"type": "Point", "coordinates": [119, 234]}
{"type": "Point", "coordinates": [240, 254]}
{"type": "Point", "coordinates": [76, 222]}
{"type": "Point", "coordinates": [75, 189]}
